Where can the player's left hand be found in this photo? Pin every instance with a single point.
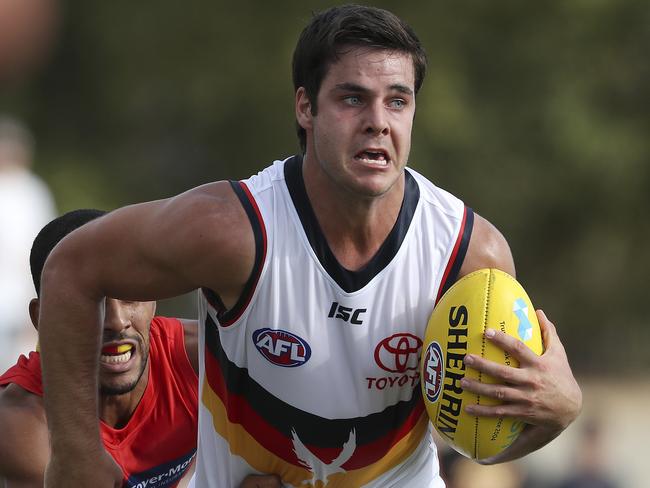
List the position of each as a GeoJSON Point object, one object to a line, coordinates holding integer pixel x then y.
{"type": "Point", "coordinates": [542, 392]}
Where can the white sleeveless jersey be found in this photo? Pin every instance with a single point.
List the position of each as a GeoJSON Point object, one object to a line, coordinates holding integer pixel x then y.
{"type": "Point", "coordinates": [313, 375]}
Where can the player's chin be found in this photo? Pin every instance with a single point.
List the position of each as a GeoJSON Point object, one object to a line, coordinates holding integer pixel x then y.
{"type": "Point", "coordinates": [122, 378]}
{"type": "Point", "coordinates": [115, 387]}
{"type": "Point", "coordinates": [375, 186]}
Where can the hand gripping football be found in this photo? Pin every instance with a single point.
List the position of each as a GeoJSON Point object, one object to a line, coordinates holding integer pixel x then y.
{"type": "Point", "coordinates": [488, 298]}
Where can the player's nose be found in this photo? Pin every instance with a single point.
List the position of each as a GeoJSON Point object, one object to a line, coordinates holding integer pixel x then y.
{"type": "Point", "coordinates": [376, 122]}
{"type": "Point", "coordinates": [118, 317]}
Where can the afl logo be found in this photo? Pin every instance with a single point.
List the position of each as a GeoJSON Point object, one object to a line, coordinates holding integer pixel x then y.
{"type": "Point", "coordinates": [433, 372]}
{"type": "Point", "coordinates": [281, 348]}
{"type": "Point", "coordinates": [399, 353]}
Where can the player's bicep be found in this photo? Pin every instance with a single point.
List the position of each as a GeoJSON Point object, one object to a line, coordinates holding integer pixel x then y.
{"type": "Point", "coordinates": [118, 255]}
{"type": "Point", "coordinates": [487, 249]}
{"type": "Point", "coordinates": [217, 241]}
{"type": "Point", "coordinates": [152, 250]}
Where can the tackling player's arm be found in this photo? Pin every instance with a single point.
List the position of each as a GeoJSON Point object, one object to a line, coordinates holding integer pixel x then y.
{"type": "Point", "coordinates": [141, 252]}
{"type": "Point", "coordinates": [24, 448]}
{"type": "Point", "coordinates": [542, 391]}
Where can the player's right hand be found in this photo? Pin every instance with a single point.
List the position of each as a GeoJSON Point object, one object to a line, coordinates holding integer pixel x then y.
{"type": "Point", "coordinates": [89, 469]}
{"type": "Point", "coordinates": [261, 481]}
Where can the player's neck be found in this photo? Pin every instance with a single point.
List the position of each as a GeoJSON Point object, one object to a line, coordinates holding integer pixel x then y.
{"type": "Point", "coordinates": [354, 226]}
{"type": "Point", "coordinates": [116, 410]}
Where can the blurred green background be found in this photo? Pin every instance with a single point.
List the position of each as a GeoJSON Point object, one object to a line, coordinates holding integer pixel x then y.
{"type": "Point", "coordinates": [534, 113]}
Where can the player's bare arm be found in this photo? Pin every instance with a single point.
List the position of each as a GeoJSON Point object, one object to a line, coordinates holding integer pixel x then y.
{"type": "Point", "coordinates": [542, 391]}
{"type": "Point", "coordinates": [24, 430]}
{"type": "Point", "coordinates": [173, 246]}
{"type": "Point", "coordinates": [487, 249]}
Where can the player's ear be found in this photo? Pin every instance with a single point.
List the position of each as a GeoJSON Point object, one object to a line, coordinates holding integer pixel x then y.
{"type": "Point", "coordinates": [303, 109]}
{"type": "Point", "coordinates": [34, 309]}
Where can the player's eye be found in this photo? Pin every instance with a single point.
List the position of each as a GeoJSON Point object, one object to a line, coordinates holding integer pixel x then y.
{"type": "Point", "coordinates": [354, 100]}
{"type": "Point", "coordinates": [397, 103]}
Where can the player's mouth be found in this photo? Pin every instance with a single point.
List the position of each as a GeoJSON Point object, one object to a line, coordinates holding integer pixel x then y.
{"type": "Point", "coordinates": [373, 157]}
{"type": "Point", "coordinates": [117, 357]}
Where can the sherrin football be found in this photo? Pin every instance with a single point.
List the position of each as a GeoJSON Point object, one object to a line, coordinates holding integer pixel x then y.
{"type": "Point", "coordinates": [488, 298]}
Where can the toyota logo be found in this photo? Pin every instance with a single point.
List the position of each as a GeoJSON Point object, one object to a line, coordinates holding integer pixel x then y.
{"type": "Point", "coordinates": [399, 353]}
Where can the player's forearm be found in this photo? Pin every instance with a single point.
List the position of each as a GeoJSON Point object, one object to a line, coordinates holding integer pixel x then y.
{"type": "Point", "coordinates": [69, 335]}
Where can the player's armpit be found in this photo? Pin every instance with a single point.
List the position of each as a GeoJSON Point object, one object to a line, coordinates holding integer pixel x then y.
{"type": "Point", "coordinates": [191, 337]}
{"type": "Point", "coordinates": [24, 448]}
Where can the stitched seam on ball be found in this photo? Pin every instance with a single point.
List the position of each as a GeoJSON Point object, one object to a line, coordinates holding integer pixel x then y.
{"type": "Point", "coordinates": [480, 374]}
{"type": "Point", "coordinates": [488, 289]}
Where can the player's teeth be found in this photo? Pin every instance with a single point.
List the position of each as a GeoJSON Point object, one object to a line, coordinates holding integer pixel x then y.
{"type": "Point", "coordinates": [117, 349]}
{"type": "Point", "coordinates": [116, 359]}
{"type": "Point", "coordinates": [373, 158]}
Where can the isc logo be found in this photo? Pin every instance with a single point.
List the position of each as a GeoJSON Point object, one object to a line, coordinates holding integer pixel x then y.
{"type": "Point", "coordinates": [346, 313]}
{"type": "Point", "coordinates": [281, 348]}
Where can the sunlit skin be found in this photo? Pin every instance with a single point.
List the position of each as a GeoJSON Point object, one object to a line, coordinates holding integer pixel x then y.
{"type": "Point", "coordinates": [358, 144]}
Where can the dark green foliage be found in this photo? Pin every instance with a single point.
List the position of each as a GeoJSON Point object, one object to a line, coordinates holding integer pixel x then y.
{"type": "Point", "coordinates": [536, 114]}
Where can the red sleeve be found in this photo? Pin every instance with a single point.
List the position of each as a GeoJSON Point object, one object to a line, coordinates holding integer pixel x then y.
{"type": "Point", "coordinates": [26, 373]}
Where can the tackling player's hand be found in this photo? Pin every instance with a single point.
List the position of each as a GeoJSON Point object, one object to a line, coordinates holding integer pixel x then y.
{"type": "Point", "coordinates": [86, 469]}
{"type": "Point", "coordinates": [542, 391]}
{"type": "Point", "coordinates": [261, 481]}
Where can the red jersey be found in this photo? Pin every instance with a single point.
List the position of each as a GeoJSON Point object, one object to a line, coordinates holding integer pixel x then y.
{"type": "Point", "coordinates": [158, 443]}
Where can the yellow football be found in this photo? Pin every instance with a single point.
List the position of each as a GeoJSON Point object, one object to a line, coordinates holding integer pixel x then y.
{"type": "Point", "coordinates": [488, 298]}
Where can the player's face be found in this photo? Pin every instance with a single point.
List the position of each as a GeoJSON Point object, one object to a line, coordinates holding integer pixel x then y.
{"type": "Point", "coordinates": [125, 348]}
{"type": "Point", "coordinates": [361, 134]}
